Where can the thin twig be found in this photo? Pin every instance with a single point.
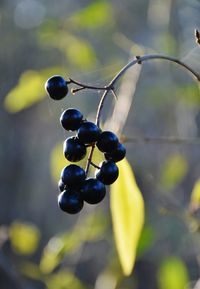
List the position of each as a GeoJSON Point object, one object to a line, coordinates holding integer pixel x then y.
{"type": "Point", "coordinates": [136, 60]}
{"type": "Point", "coordinates": [162, 140]}
{"type": "Point", "coordinates": [83, 86]}
{"type": "Point", "coordinates": [94, 165]}
{"type": "Point", "coordinates": [89, 160]}
{"type": "Point", "coordinates": [139, 60]}
{"type": "Point", "coordinates": [114, 94]}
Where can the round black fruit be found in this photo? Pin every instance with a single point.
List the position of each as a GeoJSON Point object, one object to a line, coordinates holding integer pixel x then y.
{"type": "Point", "coordinates": [108, 172]}
{"type": "Point", "coordinates": [73, 150]}
{"type": "Point", "coordinates": [56, 87]}
{"type": "Point", "coordinates": [116, 155]}
{"type": "Point", "coordinates": [61, 185]}
{"type": "Point", "coordinates": [107, 141]}
{"type": "Point", "coordinates": [93, 191]}
{"type": "Point", "coordinates": [88, 132]}
{"type": "Point", "coordinates": [71, 119]}
{"type": "Point", "coordinates": [73, 176]}
{"type": "Point", "coordinates": [70, 202]}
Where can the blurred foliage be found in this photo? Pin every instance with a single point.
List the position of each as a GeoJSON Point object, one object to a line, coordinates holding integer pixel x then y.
{"type": "Point", "coordinates": [173, 274]}
{"type": "Point", "coordinates": [57, 162]}
{"type": "Point", "coordinates": [90, 229]}
{"type": "Point", "coordinates": [173, 171]}
{"type": "Point", "coordinates": [24, 237]}
{"type": "Point", "coordinates": [188, 95]}
{"type": "Point", "coordinates": [80, 53]}
{"type": "Point", "coordinates": [95, 15]}
{"type": "Point", "coordinates": [30, 89]}
{"type": "Point", "coordinates": [79, 37]}
{"type": "Point", "coordinates": [63, 280]}
{"type": "Point", "coordinates": [30, 270]}
{"type": "Point", "coordinates": [147, 239]}
{"type": "Point", "coordinates": [127, 209]}
{"type": "Point", "coordinates": [195, 196]}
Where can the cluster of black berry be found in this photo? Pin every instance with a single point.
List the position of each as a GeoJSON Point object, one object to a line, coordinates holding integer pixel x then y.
{"type": "Point", "coordinates": [74, 186]}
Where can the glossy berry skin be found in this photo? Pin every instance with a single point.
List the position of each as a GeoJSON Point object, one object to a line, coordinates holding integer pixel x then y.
{"type": "Point", "coordinates": [61, 185]}
{"type": "Point", "coordinates": [73, 176]}
{"type": "Point", "coordinates": [116, 155]}
{"type": "Point", "coordinates": [70, 202]}
{"type": "Point", "coordinates": [71, 119]}
{"type": "Point", "coordinates": [73, 150]}
{"type": "Point", "coordinates": [88, 132]}
{"type": "Point", "coordinates": [93, 191]}
{"type": "Point", "coordinates": [108, 172]}
{"type": "Point", "coordinates": [107, 141]}
{"type": "Point", "coordinates": [56, 87]}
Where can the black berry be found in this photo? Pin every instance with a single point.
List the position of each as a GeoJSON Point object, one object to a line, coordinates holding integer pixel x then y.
{"type": "Point", "coordinates": [116, 155]}
{"type": "Point", "coordinates": [71, 119]}
{"type": "Point", "coordinates": [73, 176]}
{"type": "Point", "coordinates": [107, 141]}
{"type": "Point", "coordinates": [70, 202]}
{"type": "Point", "coordinates": [73, 150]}
{"type": "Point", "coordinates": [108, 173]}
{"type": "Point", "coordinates": [56, 87]}
{"type": "Point", "coordinates": [93, 191]}
{"type": "Point", "coordinates": [61, 185]}
{"type": "Point", "coordinates": [88, 132]}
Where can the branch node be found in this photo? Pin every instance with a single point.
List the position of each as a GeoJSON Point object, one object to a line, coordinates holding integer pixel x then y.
{"type": "Point", "coordinates": [138, 59]}
{"type": "Point", "coordinates": [75, 90]}
{"type": "Point", "coordinates": [197, 36]}
{"type": "Point", "coordinates": [114, 94]}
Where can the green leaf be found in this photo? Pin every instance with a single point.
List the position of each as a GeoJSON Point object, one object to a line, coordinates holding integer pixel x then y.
{"type": "Point", "coordinates": [127, 209]}
{"type": "Point", "coordinates": [147, 239]}
{"type": "Point", "coordinates": [97, 14]}
{"type": "Point", "coordinates": [195, 196]}
{"type": "Point", "coordinates": [173, 274]}
{"type": "Point", "coordinates": [174, 170]}
{"type": "Point", "coordinates": [24, 237]}
{"type": "Point", "coordinates": [29, 90]}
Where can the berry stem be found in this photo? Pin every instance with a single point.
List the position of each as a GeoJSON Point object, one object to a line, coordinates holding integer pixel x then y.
{"type": "Point", "coordinates": [139, 60]}
{"type": "Point", "coordinates": [89, 160]}
{"type": "Point", "coordinates": [95, 166]}
{"type": "Point", "coordinates": [110, 87]}
{"type": "Point", "coordinates": [84, 86]}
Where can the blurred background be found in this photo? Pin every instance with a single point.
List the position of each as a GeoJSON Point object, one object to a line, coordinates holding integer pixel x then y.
{"type": "Point", "coordinates": [89, 41]}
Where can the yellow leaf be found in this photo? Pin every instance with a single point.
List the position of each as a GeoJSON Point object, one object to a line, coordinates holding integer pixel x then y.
{"type": "Point", "coordinates": [29, 90]}
{"type": "Point", "coordinates": [195, 196]}
{"type": "Point", "coordinates": [127, 209]}
{"type": "Point", "coordinates": [173, 274]}
{"type": "Point", "coordinates": [24, 237]}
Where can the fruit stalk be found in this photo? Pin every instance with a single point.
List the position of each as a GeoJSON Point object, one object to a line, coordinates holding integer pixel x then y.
{"type": "Point", "coordinates": [111, 85]}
